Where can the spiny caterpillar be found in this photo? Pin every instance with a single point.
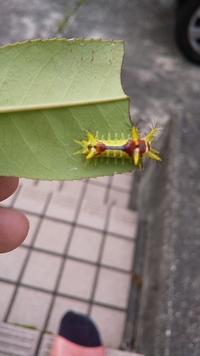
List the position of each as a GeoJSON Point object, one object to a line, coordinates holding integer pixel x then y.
{"type": "Point", "coordinates": [135, 146]}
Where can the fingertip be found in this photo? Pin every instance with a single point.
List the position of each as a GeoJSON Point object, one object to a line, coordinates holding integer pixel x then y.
{"type": "Point", "coordinates": [14, 227]}
{"type": "Point", "coordinates": [8, 186]}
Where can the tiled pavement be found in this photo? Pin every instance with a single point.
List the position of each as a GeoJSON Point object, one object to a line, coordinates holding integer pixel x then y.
{"type": "Point", "coordinates": [78, 255]}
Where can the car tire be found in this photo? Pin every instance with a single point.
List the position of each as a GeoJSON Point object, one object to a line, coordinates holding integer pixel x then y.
{"type": "Point", "coordinates": [187, 22]}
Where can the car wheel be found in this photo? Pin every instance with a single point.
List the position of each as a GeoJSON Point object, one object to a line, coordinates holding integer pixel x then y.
{"type": "Point", "coordinates": [187, 29]}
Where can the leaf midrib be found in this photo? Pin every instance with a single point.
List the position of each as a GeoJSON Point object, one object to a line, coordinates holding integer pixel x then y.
{"type": "Point", "coordinates": [47, 106]}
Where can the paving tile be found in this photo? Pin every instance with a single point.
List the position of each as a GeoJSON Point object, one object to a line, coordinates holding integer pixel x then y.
{"type": "Point", "coordinates": [53, 236]}
{"type": "Point", "coordinates": [98, 193]}
{"type": "Point", "coordinates": [34, 222]}
{"type": "Point", "coordinates": [30, 307]}
{"type": "Point", "coordinates": [6, 292]}
{"type": "Point", "coordinates": [11, 263]}
{"type": "Point", "coordinates": [31, 199]}
{"type": "Point", "coordinates": [47, 185]}
{"type": "Point", "coordinates": [100, 180]}
{"type": "Point", "coordinates": [41, 270]}
{"type": "Point", "coordinates": [85, 244]}
{"type": "Point", "coordinates": [92, 214]}
{"type": "Point", "coordinates": [74, 187]}
{"type": "Point", "coordinates": [123, 222]}
{"type": "Point", "coordinates": [123, 181]}
{"type": "Point", "coordinates": [118, 253]}
{"type": "Point", "coordinates": [24, 182]}
{"type": "Point", "coordinates": [63, 207]}
{"type": "Point", "coordinates": [113, 288]}
{"type": "Point", "coordinates": [118, 198]}
{"type": "Point", "coordinates": [46, 344]}
{"type": "Point", "coordinates": [77, 279]}
{"type": "Point", "coordinates": [110, 324]}
{"type": "Point", "coordinates": [60, 307]}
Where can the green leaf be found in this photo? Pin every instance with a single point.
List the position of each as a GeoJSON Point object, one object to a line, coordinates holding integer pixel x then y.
{"type": "Point", "coordinates": [51, 92]}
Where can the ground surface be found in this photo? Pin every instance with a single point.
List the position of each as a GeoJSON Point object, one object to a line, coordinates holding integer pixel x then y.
{"type": "Point", "coordinates": [161, 84]}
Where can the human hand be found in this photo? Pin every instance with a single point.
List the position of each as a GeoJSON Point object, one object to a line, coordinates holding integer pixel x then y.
{"type": "Point", "coordinates": [14, 225]}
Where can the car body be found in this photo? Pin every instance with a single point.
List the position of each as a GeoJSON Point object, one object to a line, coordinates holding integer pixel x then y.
{"type": "Point", "coordinates": [187, 27]}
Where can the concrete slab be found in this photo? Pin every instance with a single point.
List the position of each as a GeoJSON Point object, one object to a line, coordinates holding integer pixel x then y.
{"type": "Point", "coordinates": [16, 340]}
{"type": "Point", "coordinates": [169, 199]}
